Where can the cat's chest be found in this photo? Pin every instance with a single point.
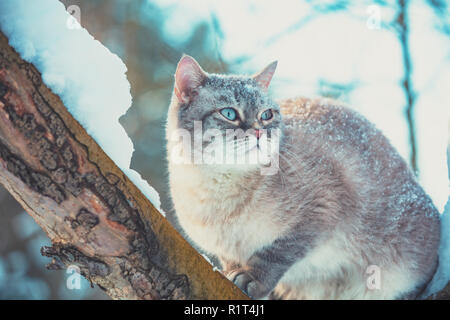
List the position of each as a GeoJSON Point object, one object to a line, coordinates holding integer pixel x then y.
{"type": "Point", "coordinates": [236, 240]}
{"type": "Point", "coordinates": [222, 218]}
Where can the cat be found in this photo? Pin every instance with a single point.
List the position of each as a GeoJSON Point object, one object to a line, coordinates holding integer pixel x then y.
{"type": "Point", "coordinates": [342, 217]}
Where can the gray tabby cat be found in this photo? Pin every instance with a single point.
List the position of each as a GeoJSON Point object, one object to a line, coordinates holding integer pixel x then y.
{"type": "Point", "coordinates": [343, 217]}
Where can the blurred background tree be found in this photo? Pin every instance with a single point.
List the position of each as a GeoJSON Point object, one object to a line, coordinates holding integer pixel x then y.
{"type": "Point", "coordinates": [390, 60]}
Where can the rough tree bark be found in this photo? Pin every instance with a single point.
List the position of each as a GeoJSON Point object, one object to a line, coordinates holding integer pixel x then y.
{"type": "Point", "coordinates": [95, 216]}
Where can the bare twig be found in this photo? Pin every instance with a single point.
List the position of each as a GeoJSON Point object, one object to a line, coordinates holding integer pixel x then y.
{"type": "Point", "coordinates": [403, 33]}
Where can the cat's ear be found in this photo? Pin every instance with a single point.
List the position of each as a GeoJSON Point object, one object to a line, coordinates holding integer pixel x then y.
{"type": "Point", "coordinates": [188, 77]}
{"type": "Point", "coordinates": [264, 77]}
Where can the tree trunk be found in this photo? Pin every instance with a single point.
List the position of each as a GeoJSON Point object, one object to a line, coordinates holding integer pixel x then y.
{"type": "Point", "coordinates": [95, 216]}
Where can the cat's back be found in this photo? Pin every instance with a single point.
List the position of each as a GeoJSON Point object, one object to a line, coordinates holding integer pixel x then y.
{"type": "Point", "coordinates": [332, 122]}
{"type": "Point", "coordinates": [394, 205]}
{"type": "Point", "coordinates": [343, 134]}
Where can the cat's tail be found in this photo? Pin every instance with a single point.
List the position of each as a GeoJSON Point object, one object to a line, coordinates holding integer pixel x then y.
{"type": "Point", "coordinates": [441, 278]}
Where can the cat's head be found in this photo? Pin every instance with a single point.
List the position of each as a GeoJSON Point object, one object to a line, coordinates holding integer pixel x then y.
{"type": "Point", "coordinates": [237, 119]}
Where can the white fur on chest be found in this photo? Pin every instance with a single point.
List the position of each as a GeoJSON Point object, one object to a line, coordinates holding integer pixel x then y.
{"type": "Point", "coordinates": [235, 241]}
{"type": "Point", "coordinates": [200, 208]}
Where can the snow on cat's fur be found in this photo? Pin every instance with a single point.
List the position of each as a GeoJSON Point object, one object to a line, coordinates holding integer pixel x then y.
{"type": "Point", "coordinates": [342, 204]}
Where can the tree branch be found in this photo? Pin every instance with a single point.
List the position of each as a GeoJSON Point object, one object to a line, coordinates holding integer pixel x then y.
{"type": "Point", "coordinates": [95, 217]}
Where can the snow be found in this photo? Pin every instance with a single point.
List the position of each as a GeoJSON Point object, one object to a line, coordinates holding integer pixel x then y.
{"type": "Point", "coordinates": [90, 80]}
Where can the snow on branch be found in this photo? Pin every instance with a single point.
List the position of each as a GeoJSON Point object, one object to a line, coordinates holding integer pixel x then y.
{"type": "Point", "coordinates": [90, 80]}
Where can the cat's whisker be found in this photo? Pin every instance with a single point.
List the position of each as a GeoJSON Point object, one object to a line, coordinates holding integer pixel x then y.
{"type": "Point", "coordinates": [283, 179]}
{"type": "Point", "coordinates": [292, 155]}
{"type": "Point", "coordinates": [285, 158]}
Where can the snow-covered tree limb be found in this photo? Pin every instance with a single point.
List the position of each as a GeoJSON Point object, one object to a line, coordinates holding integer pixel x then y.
{"type": "Point", "coordinates": [95, 216]}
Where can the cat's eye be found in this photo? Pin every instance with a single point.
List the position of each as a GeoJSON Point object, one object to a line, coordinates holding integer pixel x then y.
{"type": "Point", "coordinates": [267, 115]}
{"type": "Point", "coordinates": [229, 113]}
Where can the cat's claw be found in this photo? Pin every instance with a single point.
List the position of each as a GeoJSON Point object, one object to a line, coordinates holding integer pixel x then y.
{"type": "Point", "coordinates": [246, 282]}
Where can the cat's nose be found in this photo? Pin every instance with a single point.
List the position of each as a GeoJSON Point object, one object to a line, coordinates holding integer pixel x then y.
{"type": "Point", "coordinates": [258, 133]}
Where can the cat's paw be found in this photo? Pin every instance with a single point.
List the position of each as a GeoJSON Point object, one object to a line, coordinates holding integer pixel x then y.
{"type": "Point", "coordinates": [247, 282]}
